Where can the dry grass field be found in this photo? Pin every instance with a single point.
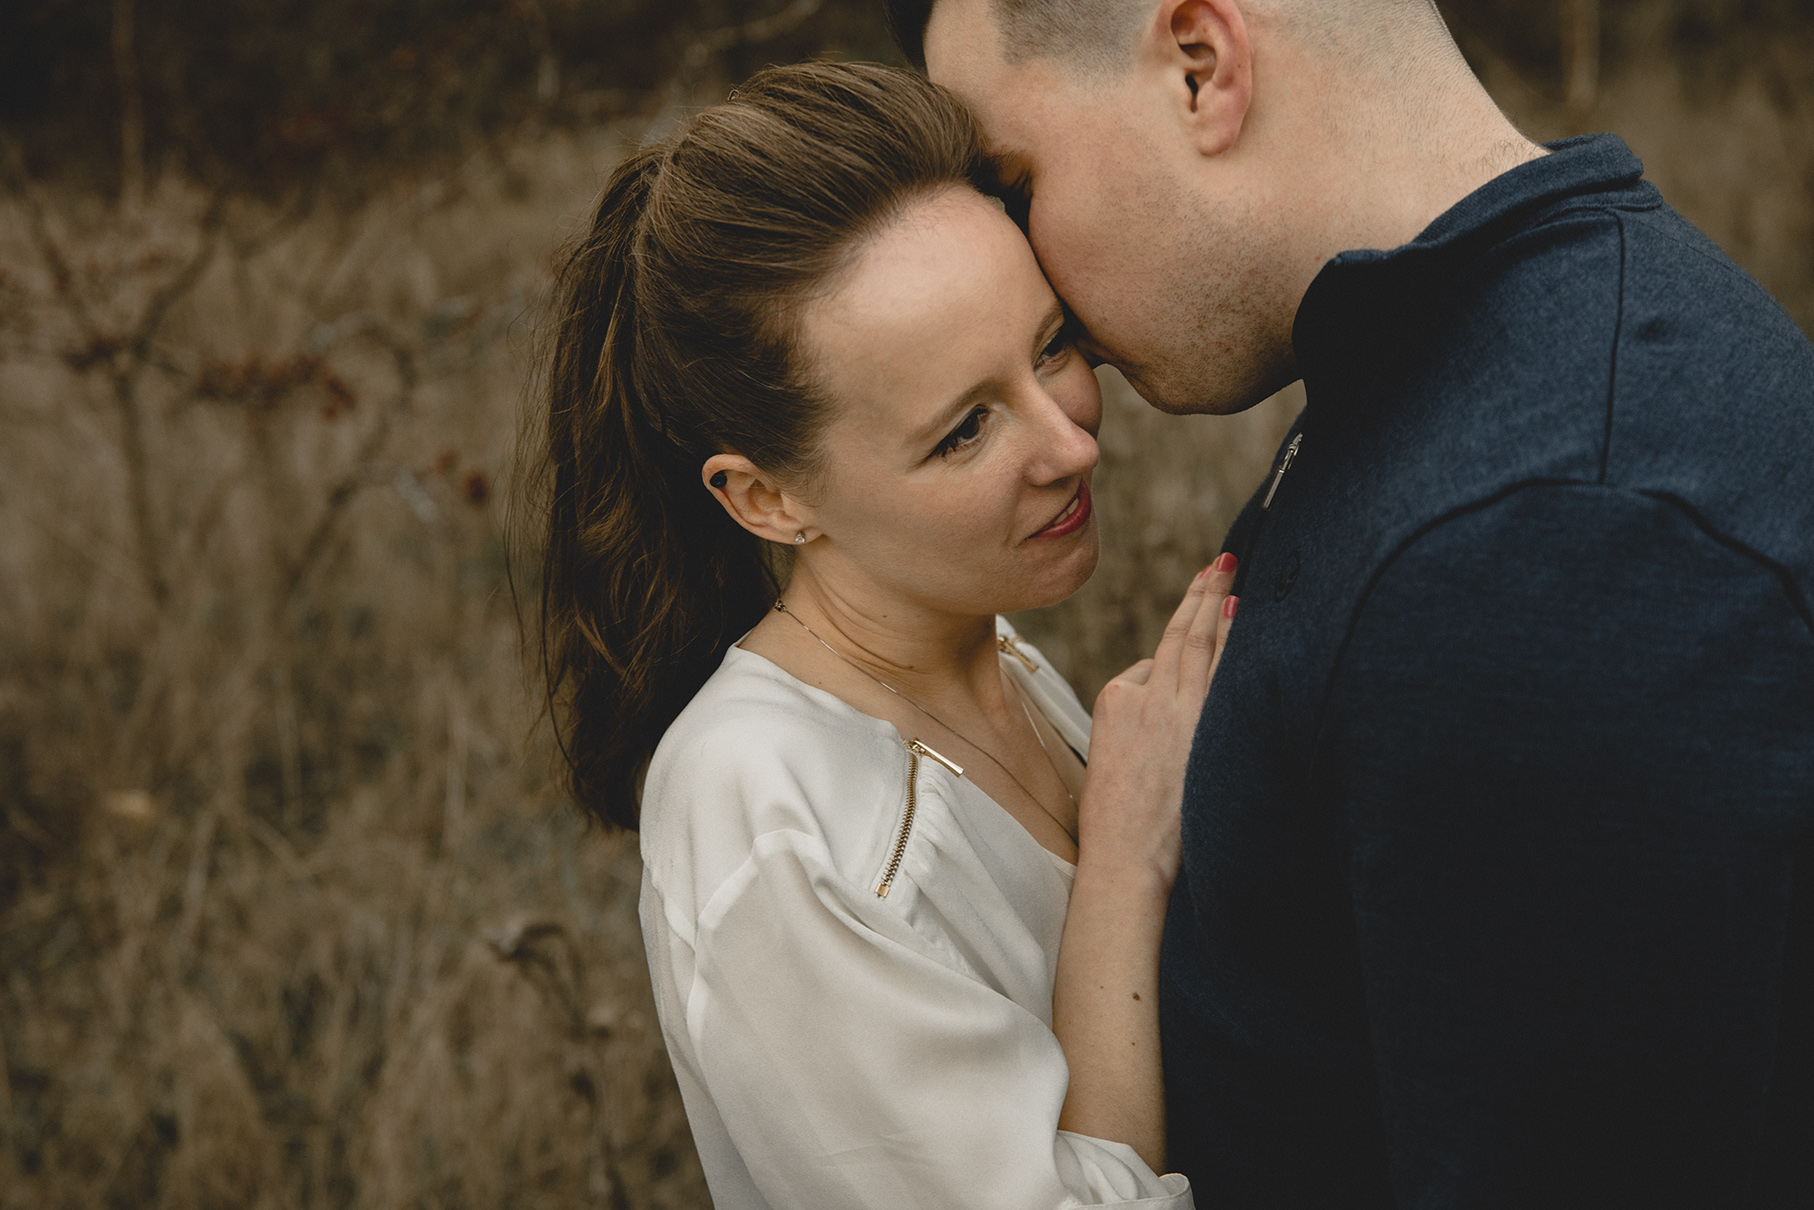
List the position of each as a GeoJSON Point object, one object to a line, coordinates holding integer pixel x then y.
{"type": "Point", "coordinates": [292, 911]}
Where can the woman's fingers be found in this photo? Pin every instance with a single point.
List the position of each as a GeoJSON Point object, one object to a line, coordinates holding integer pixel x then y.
{"type": "Point", "coordinates": [1171, 643]}
{"type": "Point", "coordinates": [1197, 655]}
{"type": "Point", "coordinates": [1198, 650]}
{"type": "Point", "coordinates": [1224, 622]}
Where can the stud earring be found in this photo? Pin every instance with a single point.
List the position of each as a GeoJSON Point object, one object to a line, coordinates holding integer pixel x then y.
{"type": "Point", "coordinates": [719, 480]}
{"type": "Point", "coordinates": [800, 538]}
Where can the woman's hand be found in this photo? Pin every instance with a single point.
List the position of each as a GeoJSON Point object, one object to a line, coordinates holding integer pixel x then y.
{"type": "Point", "coordinates": [1128, 817]}
{"type": "Point", "coordinates": [1105, 999]}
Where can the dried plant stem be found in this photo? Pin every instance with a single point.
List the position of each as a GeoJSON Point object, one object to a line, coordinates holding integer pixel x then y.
{"type": "Point", "coordinates": [132, 108]}
{"type": "Point", "coordinates": [7, 1161]}
{"type": "Point", "coordinates": [1581, 57]}
{"type": "Point", "coordinates": [138, 484]}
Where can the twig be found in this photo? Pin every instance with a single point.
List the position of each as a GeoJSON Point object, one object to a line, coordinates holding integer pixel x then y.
{"type": "Point", "coordinates": [126, 358]}
{"type": "Point", "coordinates": [132, 108]}
{"type": "Point", "coordinates": [158, 309]}
{"type": "Point", "coordinates": [700, 51]}
{"type": "Point", "coordinates": [125, 381]}
{"type": "Point", "coordinates": [18, 182]}
{"type": "Point", "coordinates": [760, 29]}
{"type": "Point", "coordinates": [349, 484]}
{"type": "Point", "coordinates": [1581, 46]}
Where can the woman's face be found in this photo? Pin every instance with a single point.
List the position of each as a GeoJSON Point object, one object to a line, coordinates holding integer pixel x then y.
{"type": "Point", "coordinates": [958, 457]}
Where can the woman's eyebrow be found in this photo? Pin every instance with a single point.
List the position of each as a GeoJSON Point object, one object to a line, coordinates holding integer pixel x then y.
{"type": "Point", "coordinates": [949, 415]}
{"type": "Point", "coordinates": [1054, 321]}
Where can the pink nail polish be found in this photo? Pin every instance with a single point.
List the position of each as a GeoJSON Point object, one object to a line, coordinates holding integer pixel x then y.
{"type": "Point", "coordinates": [1229, 606]}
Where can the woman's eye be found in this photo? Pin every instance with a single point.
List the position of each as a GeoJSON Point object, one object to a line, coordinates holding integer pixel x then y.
{"type": "Point", "coordinates": [1061, 343]}
{"type": "Point", "coordinates": [967, 431]}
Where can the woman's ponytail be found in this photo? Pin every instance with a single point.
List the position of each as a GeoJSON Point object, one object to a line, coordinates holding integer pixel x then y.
{"type": "Point", "coordinates": [673, 340]}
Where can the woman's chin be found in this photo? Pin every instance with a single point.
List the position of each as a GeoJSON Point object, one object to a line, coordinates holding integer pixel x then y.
{"type": "Point", "coordinates": [1061, 581]}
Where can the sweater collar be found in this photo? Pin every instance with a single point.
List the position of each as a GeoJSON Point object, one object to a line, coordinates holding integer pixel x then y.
{"type": "Point", "coordinates": [1366, 304]}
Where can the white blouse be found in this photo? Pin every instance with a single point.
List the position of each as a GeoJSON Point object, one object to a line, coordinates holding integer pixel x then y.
{"type": "Point", "coordinates": [838, 1047]}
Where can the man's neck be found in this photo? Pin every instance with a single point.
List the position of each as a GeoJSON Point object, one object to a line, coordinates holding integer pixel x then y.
{"type": "Point", "coordinates": [1391, 160]}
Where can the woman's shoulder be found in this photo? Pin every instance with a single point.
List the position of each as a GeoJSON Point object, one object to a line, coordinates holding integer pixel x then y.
{"type": "Point", "coordinates": [758, 752]}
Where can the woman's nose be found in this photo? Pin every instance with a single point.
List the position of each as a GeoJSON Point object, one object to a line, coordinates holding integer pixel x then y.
{"type": "Point", "coordinates": [1066, 439]}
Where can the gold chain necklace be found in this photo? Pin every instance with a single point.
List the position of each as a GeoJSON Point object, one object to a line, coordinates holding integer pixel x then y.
{"type": "Point", "coordinates": [781, 607]}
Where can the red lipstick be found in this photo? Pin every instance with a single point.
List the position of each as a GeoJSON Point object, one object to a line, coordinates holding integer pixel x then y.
{"type": "Point", "coordinates": [1075, 516]}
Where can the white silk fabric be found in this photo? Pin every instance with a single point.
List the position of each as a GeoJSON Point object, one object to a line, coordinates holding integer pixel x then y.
{"type": "Point", "coordinates": [838, 1050]}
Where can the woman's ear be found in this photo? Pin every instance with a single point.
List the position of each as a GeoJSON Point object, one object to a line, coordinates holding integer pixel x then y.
{"type": "Point", "coordinates": [754, 500]}
{"type": "Point", "coordinates": [1209, 56]}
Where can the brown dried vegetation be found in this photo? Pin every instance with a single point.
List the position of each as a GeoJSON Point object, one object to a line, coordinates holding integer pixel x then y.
{"type": "Point", "coordinates": [291, 912]}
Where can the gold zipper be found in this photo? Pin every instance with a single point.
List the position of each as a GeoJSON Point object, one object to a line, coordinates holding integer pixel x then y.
{"type": "Point", "coordinates": [915, 750]}
{"type": "Point", "coordinates": [1009, 647]}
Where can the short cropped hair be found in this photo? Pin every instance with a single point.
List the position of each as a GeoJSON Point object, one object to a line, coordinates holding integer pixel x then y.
{"type": "Point", "coordinates": [1088, 32]}
{"type": "Point", "coordinates": [1099, 33]}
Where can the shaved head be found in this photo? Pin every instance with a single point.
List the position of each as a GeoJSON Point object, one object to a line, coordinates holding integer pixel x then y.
{"type": "Point", "coordinates": [1185, 168]}
{"type": "Point", "coordinates": [1099, 34]}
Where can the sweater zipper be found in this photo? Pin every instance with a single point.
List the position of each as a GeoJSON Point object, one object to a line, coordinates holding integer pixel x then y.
{"type": "Point", "coordinates": [1272, 489]}
{"type": "Point", "coordinates": [915, 750]}
{"type": "Point", "coordinates": [1278, 476]}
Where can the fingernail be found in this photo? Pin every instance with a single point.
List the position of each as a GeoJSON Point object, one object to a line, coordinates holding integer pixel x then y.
{"type": "Point", "coordinates": [1225, 562]}
{"type": "Point", "coordinates": [1229, 606]}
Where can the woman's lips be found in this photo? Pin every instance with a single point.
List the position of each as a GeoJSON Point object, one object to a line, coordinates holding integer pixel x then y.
{"type": "Point", "coordinates": [1075, 516]}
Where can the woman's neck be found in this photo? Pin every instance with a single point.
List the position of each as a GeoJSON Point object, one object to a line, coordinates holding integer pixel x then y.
{"type": "Point", "coordinates": [933, 657]}
{"type": "Point", "coordinates": [935, 675]}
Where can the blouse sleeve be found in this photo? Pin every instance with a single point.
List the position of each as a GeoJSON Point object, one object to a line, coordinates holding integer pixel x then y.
{"type": "Point", "coordinates": [855, 1061]}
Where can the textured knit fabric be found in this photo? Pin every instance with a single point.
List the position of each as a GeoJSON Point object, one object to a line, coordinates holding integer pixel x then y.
{"type": "Point", "coordinates": [841, 1049]}
{"type": "Point", "coordinates": [1498, 887]}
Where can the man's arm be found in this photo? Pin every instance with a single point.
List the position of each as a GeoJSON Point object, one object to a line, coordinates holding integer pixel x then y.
{"type": "Point", "coordinates": [1573, 737]}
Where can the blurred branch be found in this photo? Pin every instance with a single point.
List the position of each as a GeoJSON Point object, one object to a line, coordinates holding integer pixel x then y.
{"type": "Point", "coordinates": [545, 954]}
{"type": "Point", "coordinates": [7, 1163]}
{"type": "Point", "coordinates": [1581, 57]}
{"type": "Point", "coordinates": [158, 309]}
{"type": "Point", "coordinates": [761, 29]}
{"type": "Point", "coordinates": [1509, 84]}
{"type": "Point", "coordinates": [132, 108]}
{"type": "Point", "coordinates": [703, 49]}
{"type": "Point", "coordinates": [125, 374]}
{"type": "Point", "coordinates": [18, 182]}
{"type": "Point", "coordinates": [125, 357]}
{"type": "Point", "coordinates": [359, 475]}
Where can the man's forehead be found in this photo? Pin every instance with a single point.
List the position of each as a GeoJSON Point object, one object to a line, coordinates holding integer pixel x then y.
{"type": "Point", "coordinates": [963, 44]}
{"type": "Point", "coordinates": [964, 54]}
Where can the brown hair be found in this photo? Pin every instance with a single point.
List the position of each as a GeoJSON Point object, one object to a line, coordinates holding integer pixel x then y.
{"type": "Point", "coordinates": [674, 339]}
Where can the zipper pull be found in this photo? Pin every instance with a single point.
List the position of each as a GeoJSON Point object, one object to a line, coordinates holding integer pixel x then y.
{"type": "Point", "coordinates": [1008, 647]}
{"type": "Point", "coordinates": [1278, 476]}
{"type": "Point", "coordinates": [920, 749]}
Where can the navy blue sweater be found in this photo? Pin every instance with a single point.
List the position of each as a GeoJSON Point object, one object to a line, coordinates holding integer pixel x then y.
{"type": "Point", "coordinates": [1498, 886]}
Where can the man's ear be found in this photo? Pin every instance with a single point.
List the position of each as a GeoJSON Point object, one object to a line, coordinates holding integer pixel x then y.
{"type": "Point", "coordinates": [754, 500]}
{"type": "Point", "coordinates": [1210, 61]}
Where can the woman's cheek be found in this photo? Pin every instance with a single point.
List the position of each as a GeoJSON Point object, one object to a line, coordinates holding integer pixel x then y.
{"type": "Point", "coordinates": [1080, 395]}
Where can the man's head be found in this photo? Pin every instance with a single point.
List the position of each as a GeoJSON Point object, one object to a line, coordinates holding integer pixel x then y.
{"type": "Point", "coordinates": [1188, 165]}
{"type": "Point", "coordinates": [1086, 33]}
